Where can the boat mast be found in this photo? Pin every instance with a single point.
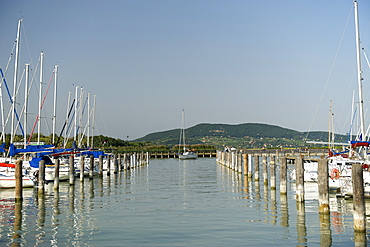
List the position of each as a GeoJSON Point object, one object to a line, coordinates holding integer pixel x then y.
{"type": "Point", "coordinates": [183, 128]}
{"type": "Point", "coordinates": [55, 101]}
{"type": "Point", "coordinates": [359, 72]}
{"type": "Point", "coordinates": [26, 104]}
{"type": "Point", "coordinates": [40, 94]}
{"type": "Point", "coordinates": [88, 120]}
{"type": "Point", "coordinates": [75, 115]}
{"type": "Point", "coordinates": [15, 78]}
{"type": "Point", "coordinates": [359, 77]}
{"type": "Point", "coordinates": [93, 123]}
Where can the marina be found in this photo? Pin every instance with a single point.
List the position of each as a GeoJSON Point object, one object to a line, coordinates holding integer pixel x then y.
{"type": "Point", "coordinates": [172, 202]}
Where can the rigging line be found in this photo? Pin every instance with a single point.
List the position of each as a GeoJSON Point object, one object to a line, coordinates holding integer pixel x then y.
{"type": "Point", "coordinates": [65, 122]}
{"type": "Point", "coordinates": [42, 104]}
{"type": "Point", "coordinates": [26, 40]}
{"type": "Point", "coordinates": [11, 101]}
{"type": "Point", "coordinates": [84, 130]}
{"type": "Point", "coordinates": [330, 72]}
{"type": "Point", "coordinates": [10, 56]}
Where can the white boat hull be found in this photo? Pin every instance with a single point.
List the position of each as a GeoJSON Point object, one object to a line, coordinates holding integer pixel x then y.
{"type": "Point", "coordinates": [188, 155]}
{"type": "Point", "coordinates": [8, 181]}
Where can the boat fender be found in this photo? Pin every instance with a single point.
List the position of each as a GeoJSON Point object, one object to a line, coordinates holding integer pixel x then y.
{"type": "Point", "coordinates": [334, 173]}
{"type": "Point", "coordinates": [365, 167]}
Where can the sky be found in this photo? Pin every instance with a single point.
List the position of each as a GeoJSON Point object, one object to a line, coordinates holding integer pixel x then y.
{"type": "Point", "coordinates": [235, 61]}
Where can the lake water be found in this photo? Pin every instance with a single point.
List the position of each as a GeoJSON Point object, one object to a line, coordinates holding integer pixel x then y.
{"type": "Point", "coordinates": [173, 202]}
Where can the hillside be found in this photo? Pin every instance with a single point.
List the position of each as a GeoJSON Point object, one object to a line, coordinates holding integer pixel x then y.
{"type": "Point", "coordinates": [247, 135]}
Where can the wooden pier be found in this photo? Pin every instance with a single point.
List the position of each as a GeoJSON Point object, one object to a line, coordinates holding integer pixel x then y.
{"type": "Point", "coordinates": [251, 165]}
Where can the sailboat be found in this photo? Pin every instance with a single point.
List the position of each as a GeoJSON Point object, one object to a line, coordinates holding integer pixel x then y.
{"type": "Point", "coordinates": [185, 154]}
{"type": "Point", "coordinates": [340, 165]}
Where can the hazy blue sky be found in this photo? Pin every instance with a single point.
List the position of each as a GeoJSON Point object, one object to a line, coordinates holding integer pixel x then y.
{"type": "Point", "coordinates": [235, 61]}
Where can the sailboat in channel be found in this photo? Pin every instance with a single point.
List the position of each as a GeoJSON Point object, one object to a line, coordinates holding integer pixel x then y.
{"type": "Point", "coordinates": [186, 153]}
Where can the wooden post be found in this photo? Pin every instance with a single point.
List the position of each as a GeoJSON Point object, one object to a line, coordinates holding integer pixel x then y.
{"type": "Point", "coordinates": [239, 163]}
{"type": "Point", "coordinates": [18, 182]}
{"type": "Point", "coordinates": [256, 168]}
{"type": "Point", "coordinates": [283, 175]}
{"type": "Point", "coordinates": [124, 161]}
{"type": "Point", "coordinates": [250, 158]}
{"type": "Point", "coordinates": [245, 167]}
{"type": "Point", "coordinates": [359, 217]}
{"type": "Point", "coordinates": [82, 167]}
{"type": "Point", "coordinates": [115, 164]}
{"type": "Point", "coordinates": [71, 170]}
{"type": "Point", "coordinates": [108, 165]}
{"type": "Point", "coordinates": [56, 174]}
{"type": "Point", "coordinates": [272, 173]}
{"type": "Point", "coordinates": [91, 171]}
{"type": "Point", "coordinates": [264, 163]}
{"type": "Point", "coordinates": [101, 165]}
{"type": "Point", "coordinates": [41, 179]}
{"type": "Point", "coordinates": [323, 185]}
{"type": "Point", "coordinates": [119, 162]}
{"type": "Point", "coordinates": [299, 179]}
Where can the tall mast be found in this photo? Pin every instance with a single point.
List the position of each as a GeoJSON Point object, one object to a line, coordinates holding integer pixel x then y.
{"type": "Point", "coordinates": [93, 123]}
{"type": "Point", "coordinates": [359, 73]}
{"type": "Point", "coordinates": [15, 79]}
{"type": "Point", "coordinates": [67, 118]}
{"type": "Point", "coordinates": [26, 103]}
{"type": "Point", "coordinates": [55, 100]}
{"type": "Point", "coordinates": [75, 115]}
{"type": "Point", "coordinates": [88, 120]}
{"type": "Point", "coordinates": [183, 128]}
{"type": "Point", "coordinates": [40, 96]}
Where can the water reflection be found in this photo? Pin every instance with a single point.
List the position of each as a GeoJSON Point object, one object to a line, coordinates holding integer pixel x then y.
{"type": "Point", "coordinates": [301, 222]}
{"type": "Point", "coordinates": [17, 228]}
{"type": "Point", "coordinates": [212, 204]}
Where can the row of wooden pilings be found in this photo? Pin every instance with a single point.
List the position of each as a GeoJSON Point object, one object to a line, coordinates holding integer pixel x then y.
{"type": "Point", "coordinates": [115, 163]}
{"type": "Point", "coordinates": [242, 163]}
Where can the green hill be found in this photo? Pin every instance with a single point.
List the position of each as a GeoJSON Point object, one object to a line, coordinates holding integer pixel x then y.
{"type": "Point", "coordinates": [247, 135]}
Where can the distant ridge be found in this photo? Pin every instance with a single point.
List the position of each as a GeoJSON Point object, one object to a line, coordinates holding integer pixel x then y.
{"type": "Point", "coordinates": [198, 132]}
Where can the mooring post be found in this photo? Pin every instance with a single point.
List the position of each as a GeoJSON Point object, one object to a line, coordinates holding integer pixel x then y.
{"type": "Point", "coordinates": [56, 173]}
{"type": "Point", "coordinates": [250, 159]}
{"type": "Point", "coordinates": [283, 175]}
{"type": "Point", "coordinates": [119, 162]}
{"type": "Point", "coordinates": [41, 179]}
{"type": "Point", "coordinates": [256, 167]}
{"type": "Point", "coordinates": [18, 182]}
{"type": "Point", "coordinates": [115, 163]}
{"type": "Point", "coordinates": [299, 179]}
{"type": "Point", "coordinates": [101, 165]}
{"type": "Point", "coordinates": [272, 173]}
{"type": "Point", "coordinates": [264, 164]}
{"type": "Point", "coordinates": [82, 167]}
{"type": "Point", "coordinates": [359, 211]}
{"type": "Point", "coordinates": [71, 170]}
{"type": "Point", "coordinates": [92, 168]}
{"type": "Point", "coordinates": [108, 165]}
{"type": "Point", "coordinates": [124, 161]}
{"type": "Point", "coordinates": [323, 186]}
{"type": "Point", "coordinates": [240, 162]}
{"type": "Point", "coordinates": [245, 167]}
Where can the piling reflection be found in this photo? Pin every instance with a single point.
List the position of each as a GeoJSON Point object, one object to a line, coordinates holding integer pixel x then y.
{"type": "Point", "coordinates": [17, 228]}
{"type": "Point", "coordinates": [360, 239]}
{"type": "Point", "coordinates": [41, 218]}
{"type": "Point", "coordinates": [301, 222]}
{"type": "Point", "coordinates": [284, 219]}
{"type": "Point", "coordinates": [325, 231]}
{"type": "Point", "coordinates": [273, 207]}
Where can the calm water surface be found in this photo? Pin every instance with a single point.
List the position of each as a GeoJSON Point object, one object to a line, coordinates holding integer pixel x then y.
{"type": "Point", "coordinates": [172, 202]}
